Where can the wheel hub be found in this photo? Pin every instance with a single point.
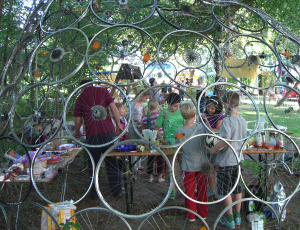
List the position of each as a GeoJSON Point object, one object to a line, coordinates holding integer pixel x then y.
{"type": "Point", "coordinates": [125, 43]}
{"type": "Point", "coordinates": [99, 113]}
{"type": "Point", "coordinates": [192, 58]}
{"type": "Point", "coordinates": [38, 115]}
{"type": "Point", "coordinates": [57, 54]}
{"type": "Point", "coordinates": [207, 168]}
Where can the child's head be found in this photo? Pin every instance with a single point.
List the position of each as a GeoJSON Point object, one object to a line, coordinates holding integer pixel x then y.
{"type": "Point", "coordinates": [121, 108]}
{"type": "Point", "coordinates": [152, 104]}
{"type": "Point", "coordinates": [188, 111]}
{"type": "Point", "coordinates": [152, 81]}
{"type": "Point", "coordinates": [232, 99]}
{"type": "Point", "coordinates": [173, 101]}
{"type": "Point", "coordinates": [145, 95]}
{"type": "Point", "coordinates": [213, 105]}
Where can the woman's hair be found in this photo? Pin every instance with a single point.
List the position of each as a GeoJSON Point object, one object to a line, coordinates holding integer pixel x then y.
{"type": "Point", "coordinates": [216, 101]}
{"type": "Point", "coordinates": [232, 98]}
{"type": "Point", "coordinates": [151, 81]}
{"type": "Point", "coordinates": [119, 105]}
{"type": "Point", "coordinates": [152, 104]}
{"type": "Point", "coordinates": [85, 80]}
{"type": "Point", "coordinates": [143, 93]}
{"type": "Point", "coordinates": [173, 98]}
{"type": "Point", "coordinates": [188, 110]}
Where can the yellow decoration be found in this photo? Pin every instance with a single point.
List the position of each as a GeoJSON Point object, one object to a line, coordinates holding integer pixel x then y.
{"type": "Point", "coordinates": [244, 71]}
{"type": "Point", "coordinates": [146, 57]}
{"type": "Point", "coordinates": [286, 54]}
{"type": "Point", "coordinates": [96, 45]}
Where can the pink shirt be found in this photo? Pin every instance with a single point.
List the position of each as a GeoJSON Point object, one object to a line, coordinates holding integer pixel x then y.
{"type": "Point", "coordinates": [153, 118]}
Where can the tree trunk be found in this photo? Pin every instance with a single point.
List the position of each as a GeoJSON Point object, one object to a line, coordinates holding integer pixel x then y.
{"type": "Point", "coordinates": [220, 89]}
{"type": "Point", "coordinates": [279, 103]}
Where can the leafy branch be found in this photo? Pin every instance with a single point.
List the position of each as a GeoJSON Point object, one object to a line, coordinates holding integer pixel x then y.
{"type": "Point", "coordinates": [67, 226]}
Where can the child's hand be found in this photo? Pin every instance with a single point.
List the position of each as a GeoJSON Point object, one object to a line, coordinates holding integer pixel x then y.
{"type": "Point", "coordinates": [208, 150]}
{"type": "Point", "coordinates": [204, 118]}
{"type": "Point", "coordinates": [164, 142]}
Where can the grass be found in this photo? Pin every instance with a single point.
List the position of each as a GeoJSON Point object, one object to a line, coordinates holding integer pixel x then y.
{"type": "Point", "coordinates": [277, 114]}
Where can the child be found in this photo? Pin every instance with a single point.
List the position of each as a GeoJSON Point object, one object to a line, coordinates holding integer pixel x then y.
{"type": "Point", "coordinates": [170, 119]}
{"type": "Point", "coordinates": [148, 122]}
{"type": "Point", "coordinates": [213, 113]}
{"type": "Point", "coordinates": [193, 156]}
{"type": "Point", "coordinates": [123, 120]}
{"type": "Point", "coordinates": [137, 112]}
{"type": "Point", "coordinates": [213, 119]}
{"type": "Point", "coordinates": [234, 127]}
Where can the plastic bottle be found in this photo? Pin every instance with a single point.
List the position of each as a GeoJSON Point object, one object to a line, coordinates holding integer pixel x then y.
{"type": "Point", "coordinates": [258, 139]}
{"type": "Point", "coordinates": [267, 139]}
{"type": "Point", "coordinates": [280, 141]}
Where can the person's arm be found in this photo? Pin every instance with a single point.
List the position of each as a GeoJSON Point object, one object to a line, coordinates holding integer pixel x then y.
{"type": "Point", "coordinates": [116, 116]}
{"type": "Point", "coordinates": [143, 126]}
{"type": "Point", "coordinates": [78, 122]}
{"type": "Point", "coordinates": [221, 144]}
{"type": "Point", "coordinates": [225, 132]}
{"type": "Point", "coordinates": [159, 123]}
{"type": "Point", "coordinates": [206, 121]}
{"type": "Point", "coordinates": [218, 126]}
{"type": "Point", "coordinates": [159, 136]}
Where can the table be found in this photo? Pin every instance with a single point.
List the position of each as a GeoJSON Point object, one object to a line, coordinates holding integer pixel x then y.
{"type": "Point", "coordinates": [263, 174]}
{"type": "Point", "coordinates": [129, 176]}
{"type": "Point", "coordinates": [23, 183]}
{"type": "Point", "coordinates": [60, 164]}
{"type": "Point", "coordinates": [264, 151]}
{"type": "Point", "coordinates": [166, 151]}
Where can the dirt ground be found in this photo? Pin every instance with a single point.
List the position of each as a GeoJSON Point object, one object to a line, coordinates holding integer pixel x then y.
{"type": "Point", "coordinates": [292, 220]}
{"type": "Point", "coordinates": [147, 196]}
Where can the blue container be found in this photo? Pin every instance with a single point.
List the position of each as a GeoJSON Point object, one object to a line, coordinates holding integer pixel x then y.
{"type": "Point", "coordinates": [125, 148]}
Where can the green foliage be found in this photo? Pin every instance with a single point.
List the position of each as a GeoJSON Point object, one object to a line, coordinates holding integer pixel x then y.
{"type": "Point", "coordinates": [14, 14]}
{"type": "Point", "coordinates": [261, 215]}
{"type": "Point", "coordinates": [67, 225]}
{"type": "Point", "coordinates": [287, 11]}
{"type": "Point", "coordinates": [256, 166]}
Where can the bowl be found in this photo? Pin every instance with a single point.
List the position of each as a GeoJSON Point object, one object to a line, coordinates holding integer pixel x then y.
{"type": "Point", "coordinates": [273, 147]}
{"type": "Point", "coordinates": [125, 148]}
{"type": "Point", "coordinates": [65, 146]}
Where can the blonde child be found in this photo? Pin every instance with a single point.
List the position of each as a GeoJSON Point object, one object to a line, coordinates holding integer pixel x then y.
{"type": "Point", "coordinates": [148, 122]}
{"type": "Point", "coordinates": [193, 156]}
{"type": "Point", "coordinates": [234, 127]}
{"type": "Point", "coordinates": [137, 113]}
